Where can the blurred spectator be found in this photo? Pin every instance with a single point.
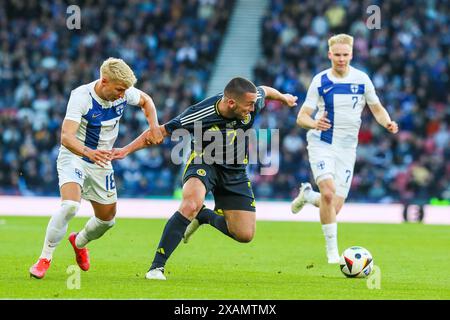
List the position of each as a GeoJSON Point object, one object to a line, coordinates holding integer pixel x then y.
{"type": "Point", "coordinates": [171, 45]}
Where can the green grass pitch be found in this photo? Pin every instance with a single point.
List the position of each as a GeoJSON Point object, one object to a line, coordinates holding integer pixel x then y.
{"type": "Point", "coordinates": [286, 260]}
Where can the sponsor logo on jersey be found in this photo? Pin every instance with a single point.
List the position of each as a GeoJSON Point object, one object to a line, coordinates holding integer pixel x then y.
{"type": "Point", "coordinates": [326, 90]}
{"type": "Point", "coordinates": [231, 124]}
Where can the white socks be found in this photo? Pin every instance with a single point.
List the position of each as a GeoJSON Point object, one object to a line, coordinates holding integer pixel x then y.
{"type": "Point", "coordinates": [93, 229]}
{"type": "Point", "coordinates": [313, 197]}
{"type": "Point", "coordinates": [57, 227]}
{"type": "Point", "coordinates": [330, 233]}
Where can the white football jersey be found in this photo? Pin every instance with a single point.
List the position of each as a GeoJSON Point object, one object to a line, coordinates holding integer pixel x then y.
{"type": "Point", "coordinates": [98, 118]}
{"type": "Point", "coordinates": [344, 100]}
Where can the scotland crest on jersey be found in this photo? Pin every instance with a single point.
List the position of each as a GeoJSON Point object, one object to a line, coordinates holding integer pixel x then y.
{"type": "Point", "coordinates": [247, 119]}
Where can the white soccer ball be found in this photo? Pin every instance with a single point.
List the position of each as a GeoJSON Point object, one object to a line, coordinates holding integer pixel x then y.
{"type": "Point", "coordinates": [356, 262]}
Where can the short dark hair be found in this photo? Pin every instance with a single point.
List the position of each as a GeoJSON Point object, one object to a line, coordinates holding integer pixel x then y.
{"type": "Point", "coordinates": [238, 86]}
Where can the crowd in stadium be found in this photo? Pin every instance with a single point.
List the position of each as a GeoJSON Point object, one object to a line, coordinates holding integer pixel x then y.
{"type": "Point", "coordinates": [408, 62]}
{"type": "Point", "coordinates": [171, 47]}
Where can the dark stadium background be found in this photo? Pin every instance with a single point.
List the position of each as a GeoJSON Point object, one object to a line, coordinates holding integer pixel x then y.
{"type": "Point", "coordinates": [172, 47]}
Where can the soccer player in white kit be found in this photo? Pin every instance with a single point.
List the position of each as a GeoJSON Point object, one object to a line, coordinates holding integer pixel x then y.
{"type": "Point", "coordinates": [339, 95]}
{"type": "Point", "coordinates": [89, 131]}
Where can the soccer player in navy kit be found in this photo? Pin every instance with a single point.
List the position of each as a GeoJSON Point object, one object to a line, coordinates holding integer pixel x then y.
{"type": "Point", "coordinates": [234, 214]}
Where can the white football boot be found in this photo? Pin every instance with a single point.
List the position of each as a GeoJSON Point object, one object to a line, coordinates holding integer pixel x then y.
{"type": "Point", "coordinates": [333, 256]}
{"type": "Point", "coordinates": [300, 201]}
{"type": "Point", "coordinates": [155, 274]}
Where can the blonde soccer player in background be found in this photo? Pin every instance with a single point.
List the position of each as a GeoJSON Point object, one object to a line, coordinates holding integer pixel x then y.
{"type": "Point", "coordinates": [88, 133]}
{"type": "Point", "coordinates": [339, 95]}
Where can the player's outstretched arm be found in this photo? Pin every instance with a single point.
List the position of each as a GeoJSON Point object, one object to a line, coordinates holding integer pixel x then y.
{"type": "Point", "coordinates": [305, 120]}
{"type": "Point", "coordinates": [274, 94]}
{"type": "Point", "coordinates": [383, 118]}
{"type": "Point", "coordinates": [70, 141]}
{"type": "Point", "coordinates": [148, 107]}
{"type": "Point", "coordinates": [139, 143]}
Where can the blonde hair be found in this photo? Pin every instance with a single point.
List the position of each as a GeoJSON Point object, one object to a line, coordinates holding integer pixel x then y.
{"type": "Point", "coordinates": [118, 71]}
{"type": "Point", "coordinates": [340, 38]}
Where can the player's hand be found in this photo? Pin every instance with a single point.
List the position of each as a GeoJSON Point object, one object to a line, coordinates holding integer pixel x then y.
{"type": "Point", "coordinates": [392, 127]}
{"type": "Point", "coordinates": [154, 135]}
{"type": "Point", "coordinates": [290, 100]}
{"type": "Point", "coordinates": [99, 157]}
{"type": "Point", "coordinates": [323, 124]}
{"type": "Point", "coordinates": [118, 153]}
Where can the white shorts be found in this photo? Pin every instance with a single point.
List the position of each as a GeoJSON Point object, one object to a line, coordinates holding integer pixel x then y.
{"type": "Point", "coordinates": [96, 183]}
{"type": "Point", "coordinates": [328, 161]}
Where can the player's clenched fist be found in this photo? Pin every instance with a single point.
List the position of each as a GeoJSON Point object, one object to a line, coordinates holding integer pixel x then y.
{"type": "Point", "coordinates": [154, 135]}
{"type": "Point", "coordinates": [323, 123]}
{"type": "Point", "coordinates": [392, 127]}
{"type": "Point", "coordinates": [99, 157]}
{"type": "Point", "coordinates": [290, 100]}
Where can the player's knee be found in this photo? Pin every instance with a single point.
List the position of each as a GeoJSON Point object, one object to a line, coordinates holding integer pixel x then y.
{"type": "Point", "coordinates": [69, 208]}
{"type": "Point", "coordinates": [110, 216]}
{"type": "Point", "coordinates": [327, 196]}
{"type": "Point", "coordinates": [189, 208]}
{"type": "Point", "coordinates": [245, 237]}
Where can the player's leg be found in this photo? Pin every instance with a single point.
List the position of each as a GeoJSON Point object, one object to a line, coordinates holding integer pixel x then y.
{"type": "Point", "coordinates": [57, 227]}
{"type": "Point", "coordinates": [97, 225]}
{"type": "Point", "coordinates": [208, 175]}
{"type": "Point", "coordinates": [99, 188]}
{"type": "Point", "coordinates": [305, 195]}
{"type": "Point", "coordinates": [338, 203]}
{"type": "Point", "coordinates": [234, 215]}
{"type": "Point", "coordinates": [241, 224]}
{"type": "Point", "coordinates": [214, 218]}
{"type": "Point", "coordinates": [328, 217]}
{"type": "Point", "coordinates": [193, 197]}
{"type": "Point", "coordinates": [334, 191]}
{"type": "Point", "coordinates": [321, 159]}
{"type": "Point", "coordinates": [58, 224]}
{"type": "Point", "coordinates": [308, 195]}
{"type": "Point", "coordinates": [71, 177]}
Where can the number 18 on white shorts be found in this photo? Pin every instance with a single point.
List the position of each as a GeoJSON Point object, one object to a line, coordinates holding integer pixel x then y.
{"type": "Point", "coordinates": [97, 183]}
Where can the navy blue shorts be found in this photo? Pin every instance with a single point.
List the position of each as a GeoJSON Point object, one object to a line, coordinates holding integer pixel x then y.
{"type": "Point", "coordinates": [231, 189]}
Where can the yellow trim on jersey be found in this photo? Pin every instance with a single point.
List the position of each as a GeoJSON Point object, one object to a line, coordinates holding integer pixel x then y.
{"type": "Point", "coordinates": [191, 157]}
{"type": "Point", "coordinates": [253, 204]}
{"type": "Point", "coordinates": [214, 128]}
{"type": "Point", "coordinates": [216, 107]}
